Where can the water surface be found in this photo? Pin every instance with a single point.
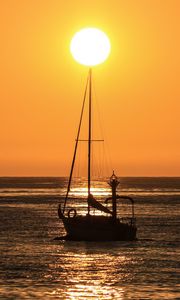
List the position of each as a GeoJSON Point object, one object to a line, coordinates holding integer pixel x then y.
{"type": "Point", "coordinates": [35, 266]}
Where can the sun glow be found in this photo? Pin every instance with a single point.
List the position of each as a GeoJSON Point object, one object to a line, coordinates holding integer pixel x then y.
{"type": "Point", "coordinates": [90, 46]}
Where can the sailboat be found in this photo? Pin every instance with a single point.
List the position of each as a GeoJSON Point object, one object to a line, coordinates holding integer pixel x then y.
{"type": "Point", "coordinates": [90, 227]}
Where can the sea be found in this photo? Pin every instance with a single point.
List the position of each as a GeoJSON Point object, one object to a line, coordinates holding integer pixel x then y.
{"type": "Point", "coordinates": [35, 265]}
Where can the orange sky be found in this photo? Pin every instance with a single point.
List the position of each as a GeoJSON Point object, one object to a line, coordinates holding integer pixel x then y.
{"type": "Point", "coordinates": [41, 86]}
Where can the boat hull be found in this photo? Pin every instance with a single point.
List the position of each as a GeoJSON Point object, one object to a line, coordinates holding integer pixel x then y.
{"type": "Point", "coordinates": [98, 228]}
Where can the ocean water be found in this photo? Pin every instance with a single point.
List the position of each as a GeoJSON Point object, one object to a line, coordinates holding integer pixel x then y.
{"type": "Point", "coordinates": [35, 266]}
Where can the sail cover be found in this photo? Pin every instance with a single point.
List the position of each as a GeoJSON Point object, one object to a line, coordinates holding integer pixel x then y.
{"type": "Point", "coordinates": [94, 203]}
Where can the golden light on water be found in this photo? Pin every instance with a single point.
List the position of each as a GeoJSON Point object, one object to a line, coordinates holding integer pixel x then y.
{"type": "Point", "coordinates": [82, 191]}
{"type": "Point", "coordinates": [88, 277]}
{"type": "Point", "coordinates": [90, 46]}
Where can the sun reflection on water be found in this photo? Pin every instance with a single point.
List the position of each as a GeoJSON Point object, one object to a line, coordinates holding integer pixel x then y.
{"type": "Point", "coordinates": [83, 191]}
{"type": "Point", "coordinates": [80, 291]}
{"type": "Point", "coordinates": [86, 272]}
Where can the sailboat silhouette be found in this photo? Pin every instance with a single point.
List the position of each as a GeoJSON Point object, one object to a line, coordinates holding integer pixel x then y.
{"type": "Point", "coordinates": [91, 227]}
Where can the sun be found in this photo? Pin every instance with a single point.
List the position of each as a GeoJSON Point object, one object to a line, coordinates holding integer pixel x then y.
{"type": "Point", "coordinates": [90, 46]}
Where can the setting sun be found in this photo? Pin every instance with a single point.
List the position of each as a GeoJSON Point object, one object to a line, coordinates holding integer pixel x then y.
{"type": "Point", "coordinates": [90, 46]}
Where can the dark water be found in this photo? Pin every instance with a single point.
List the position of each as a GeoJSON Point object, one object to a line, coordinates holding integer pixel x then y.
{"type": "Point", "coordinates": [34, 266]}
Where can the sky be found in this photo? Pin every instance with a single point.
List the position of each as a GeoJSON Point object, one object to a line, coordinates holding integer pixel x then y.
{"type": "Point", "coordinates": [41, 86]}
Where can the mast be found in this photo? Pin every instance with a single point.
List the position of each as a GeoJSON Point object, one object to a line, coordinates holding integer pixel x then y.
{"type": "Point", "coordinates": [89, 81]}
{"type": "Point", "coordinates": [76, 145]}
{"type": "Point", "coordinates": [89, 137]}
